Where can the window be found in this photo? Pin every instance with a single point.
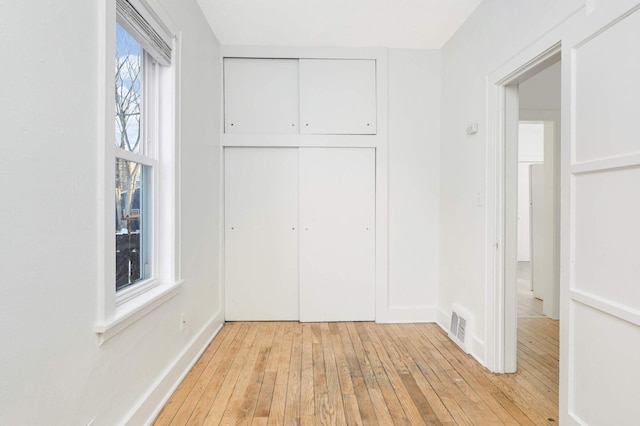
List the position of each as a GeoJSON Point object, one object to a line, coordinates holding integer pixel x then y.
{"type": "Point", "coordinates": [141, 250]}
{"type": "Point", "coordinates": [141, 53]}
{"type": "Point", "coordinates": [134, 161]}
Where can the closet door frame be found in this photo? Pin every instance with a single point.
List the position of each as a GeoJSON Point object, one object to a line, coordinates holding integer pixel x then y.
{"type": "Point", "coordinates": [379, 141]}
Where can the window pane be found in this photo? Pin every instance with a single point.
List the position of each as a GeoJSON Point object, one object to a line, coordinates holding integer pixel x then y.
{"type": "Point", "coordinates": [128, 91]}
{"type": "Point", "coordinates": [132, 222]}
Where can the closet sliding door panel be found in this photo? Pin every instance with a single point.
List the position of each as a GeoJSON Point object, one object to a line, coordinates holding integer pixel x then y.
{"type": "Point", "coordinates": [261, 234]}
{"type": "Point", "coordinates": [261, 95]}
{"type": "Point", "coordinates": [337, 234]}
{"type": "Point", "coordinates": [338, 96]}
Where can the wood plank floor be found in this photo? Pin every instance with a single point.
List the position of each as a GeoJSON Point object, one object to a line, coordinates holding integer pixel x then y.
{"type": "Point", "coordinates": [528, 305]}
{"type": "Point", "coordinates": [289, 373]}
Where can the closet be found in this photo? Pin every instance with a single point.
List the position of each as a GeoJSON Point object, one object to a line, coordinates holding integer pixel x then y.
{"type": "Point", "coordinates": [300, 221]}
{"type": "Point", "coordinates": [305, 96]}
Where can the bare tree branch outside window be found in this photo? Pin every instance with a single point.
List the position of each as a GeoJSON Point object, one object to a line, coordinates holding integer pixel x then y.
{"type": "Point", "coordinates": [128, 103]}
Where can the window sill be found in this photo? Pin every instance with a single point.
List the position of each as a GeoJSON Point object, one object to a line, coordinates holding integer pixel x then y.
{"type": "Point", "coordinates": [131, 311]}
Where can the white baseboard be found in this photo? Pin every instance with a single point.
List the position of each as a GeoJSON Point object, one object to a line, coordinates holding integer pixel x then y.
{"type": "Point", "coordinates": [477, 349]}
{"type": "Point", "coordinates": [477, 346]}
{"type": "Point", "coordinates": [160, 392]}
{"type": "Point", "coordinates": [443, 319]}
{"type": "Point", "coordinates": [409, 314]}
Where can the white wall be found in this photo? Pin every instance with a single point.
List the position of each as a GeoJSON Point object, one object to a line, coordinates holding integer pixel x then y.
{"type": "Point", "coordinates": [414, 170]}
{"type": "Point", "coordinates": [53, 370]}
{"type": "Point", "coordinates": [541, 92]}
{"type": "Point", "coordinates": [494, 33]}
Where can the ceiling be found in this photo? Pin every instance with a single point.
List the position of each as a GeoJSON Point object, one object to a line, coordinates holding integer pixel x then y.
{"type": "Point", "coordinates": [425, 24]}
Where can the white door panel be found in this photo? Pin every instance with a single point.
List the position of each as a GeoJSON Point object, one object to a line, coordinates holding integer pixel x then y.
{"type": "Point", "coordinates": [608, 109]}
{"type": "Point", "coordinates": [607, 235]}
{"type": "Point", "coordinates": [261, 233]}
{"type": "Point", "coordinates": [337, 239]}
{"type": "Point", "coordinates": [524, 207]}
{"type": "Point", "coordinates": [601, 311]}
{"type": "Point", "coordinates": [540, 265]}
{"type": "Point", "coordinates": [261, 95]}
{"type": "Point", "coordinates": [337, 96]}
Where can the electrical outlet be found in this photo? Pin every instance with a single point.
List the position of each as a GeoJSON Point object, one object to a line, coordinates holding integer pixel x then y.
{"type": "Point", "coordinates": [183, 321]}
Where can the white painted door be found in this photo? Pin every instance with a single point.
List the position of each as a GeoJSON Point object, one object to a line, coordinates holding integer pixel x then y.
{"type": "Point", "coordinates": [261, 234]}
{"type": "Point", "coordinates": [543, 238]}
{"type": "Point", "coordinates": [338, 96]}
{"type": "Point", "coordinates": [539, 252]}
{"type": "Point", "coordinates": [261, 95]}
{"type": "Point", "coordinates": [337, 236]}
{"type": "Point", "coordinates": [600, 335]}
{"type": "Point", "coordinates": [524, 237]}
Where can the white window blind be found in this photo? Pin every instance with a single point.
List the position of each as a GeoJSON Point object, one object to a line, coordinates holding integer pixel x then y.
{"type": "Point", "coordinates": [149, 32]}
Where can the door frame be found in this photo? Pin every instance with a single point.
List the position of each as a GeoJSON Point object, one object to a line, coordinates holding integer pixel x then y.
{"type": "Point", "coordinates": [502, 192]}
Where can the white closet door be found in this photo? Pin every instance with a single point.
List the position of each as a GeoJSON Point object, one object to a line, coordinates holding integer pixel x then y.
{"type": "Point", "coordinates": [541, 256]}
{"type": "Point", "coordinates": [338, 96]}
{"type": "Point", "coordinates": [261, 234]}
{"type": "Point", "coordinates": [337, 238]}
{"type": "Point", "coordinates": [261, 95]}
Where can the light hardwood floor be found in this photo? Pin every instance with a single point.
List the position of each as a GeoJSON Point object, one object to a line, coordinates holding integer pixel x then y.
{"type": "Point", "coordinates": [528, 305]}
{"type": "Point", "coordinates": [274, 373]}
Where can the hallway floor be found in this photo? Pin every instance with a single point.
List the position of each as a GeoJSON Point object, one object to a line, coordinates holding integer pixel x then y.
{"type": "Point", "coordinates": [528, 305]}
{"type": "Point", "coordinates": [264, 373]}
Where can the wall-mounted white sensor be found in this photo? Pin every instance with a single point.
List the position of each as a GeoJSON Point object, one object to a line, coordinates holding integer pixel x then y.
{"type": "Point", "coordinates": [472, 129]}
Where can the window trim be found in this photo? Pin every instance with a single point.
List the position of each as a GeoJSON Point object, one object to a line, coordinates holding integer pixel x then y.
{"type": "Point", "coordinates": [115, 314]}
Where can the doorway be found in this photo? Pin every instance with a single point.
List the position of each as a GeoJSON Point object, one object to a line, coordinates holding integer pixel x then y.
{"type": "Point", "coordinates": [539, 186]}
{"type": "Point", "coordinates": [531, 254]}
{"type": "Point", "coordinates": [530, 102]}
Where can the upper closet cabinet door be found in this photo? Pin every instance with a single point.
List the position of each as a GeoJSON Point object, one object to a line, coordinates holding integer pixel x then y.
{"type": "Point", "coordinates": [261, 95]}
{"type": "Point", "coordinates": [338, 96]}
